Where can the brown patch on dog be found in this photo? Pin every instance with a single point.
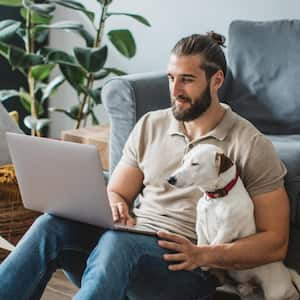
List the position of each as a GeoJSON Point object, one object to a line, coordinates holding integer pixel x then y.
{"type": "Point", "coordinates": [223, 162]}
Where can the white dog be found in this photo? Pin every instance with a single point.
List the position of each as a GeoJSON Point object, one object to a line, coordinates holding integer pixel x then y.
{"type": "Point", "coordinates": [225, 213]}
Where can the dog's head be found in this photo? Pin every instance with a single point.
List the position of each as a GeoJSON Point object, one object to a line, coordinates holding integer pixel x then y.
{"type": "Point", "coordinates": [203, 166]}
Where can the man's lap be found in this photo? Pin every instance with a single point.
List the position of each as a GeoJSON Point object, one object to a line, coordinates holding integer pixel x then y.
{"type": "Point", "coordinates": [150, 278]}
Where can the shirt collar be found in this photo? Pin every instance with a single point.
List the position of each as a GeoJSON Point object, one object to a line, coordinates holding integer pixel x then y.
{"type": "Point", "coordinates": [219, 132]}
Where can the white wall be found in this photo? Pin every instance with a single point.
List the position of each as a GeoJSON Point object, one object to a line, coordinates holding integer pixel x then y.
{"type": "Point", "coordinates": [171, 20]}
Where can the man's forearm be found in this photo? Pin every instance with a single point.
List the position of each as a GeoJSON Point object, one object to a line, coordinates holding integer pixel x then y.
{"type": "Point", "coordinates": [250, 252]}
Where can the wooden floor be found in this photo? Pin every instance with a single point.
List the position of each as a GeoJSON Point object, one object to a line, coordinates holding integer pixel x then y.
{"type": "Point", "coordinates": [59, 288]}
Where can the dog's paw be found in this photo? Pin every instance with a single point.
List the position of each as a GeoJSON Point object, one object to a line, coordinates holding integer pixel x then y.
{"type": "Point", "coordinates": [245, 289]}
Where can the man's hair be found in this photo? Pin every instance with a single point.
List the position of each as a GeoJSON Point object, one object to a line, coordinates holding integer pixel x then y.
{"type": "Point", "coordinates": [208, 46]}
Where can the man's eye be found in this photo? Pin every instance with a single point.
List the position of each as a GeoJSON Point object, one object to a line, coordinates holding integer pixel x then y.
{"type": "Point", "coordinates": [195, 164]}
{"type": "Point", "coordinates": [187, 80]}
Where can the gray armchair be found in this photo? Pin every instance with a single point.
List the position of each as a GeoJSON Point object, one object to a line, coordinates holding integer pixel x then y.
{"type": "Point", "coordinates": [261, 85]}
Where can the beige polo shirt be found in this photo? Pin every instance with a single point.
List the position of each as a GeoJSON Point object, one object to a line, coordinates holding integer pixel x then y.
{"type": "Point", "coordinates": [157, 145]}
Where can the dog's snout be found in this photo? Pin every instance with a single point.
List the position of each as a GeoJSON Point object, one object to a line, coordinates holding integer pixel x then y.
{"type": "Point", "coordinates": [172, 180]}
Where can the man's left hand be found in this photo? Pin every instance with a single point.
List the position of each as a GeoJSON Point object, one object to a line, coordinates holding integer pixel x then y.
{"type": "Point", "coordinates": [188, 256]}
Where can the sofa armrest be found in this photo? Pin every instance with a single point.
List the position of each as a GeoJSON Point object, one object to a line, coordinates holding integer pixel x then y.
{"type": "Point", "coordinates": [126, 99]}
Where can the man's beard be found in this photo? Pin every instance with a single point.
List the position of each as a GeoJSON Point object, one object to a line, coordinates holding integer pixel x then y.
{"type": "Point", "coordinates": [200, 106]}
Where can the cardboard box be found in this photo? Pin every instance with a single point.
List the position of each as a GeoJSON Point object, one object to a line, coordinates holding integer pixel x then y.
{"type": "Point", "coordinates": [97, 135]}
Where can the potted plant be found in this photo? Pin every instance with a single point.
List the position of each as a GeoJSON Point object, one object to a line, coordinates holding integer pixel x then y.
{"type": "Point", "coordinates": [80, 69]}
{"type": "Point", "coordinates": [27, 59]}
{"type": "Point", "coordinates": [87, 65]}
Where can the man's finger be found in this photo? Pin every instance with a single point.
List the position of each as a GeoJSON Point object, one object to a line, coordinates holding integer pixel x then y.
{"type": "Point", "coordinates": [178, 267]}
{"type": "Point", "coordinates": [115, 213]}
{"type": "Point", "coordinates": [123, 210]}
{"type": "Point", "coordinates": [169, 245]}
{"type": "Point", "coordinates": [175, 257]}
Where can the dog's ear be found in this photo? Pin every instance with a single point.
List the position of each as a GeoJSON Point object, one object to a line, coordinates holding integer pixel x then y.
{"type": "Point", "coordinates": [223, 163]}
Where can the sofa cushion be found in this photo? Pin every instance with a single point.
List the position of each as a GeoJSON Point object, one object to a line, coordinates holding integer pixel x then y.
{"type": "Point", "coordinates": [264, 59]}
{"type": "Point", "coordinates": [6, 124]}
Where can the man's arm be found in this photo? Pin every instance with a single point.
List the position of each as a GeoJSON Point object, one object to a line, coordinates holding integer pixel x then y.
{"type": "Point", "coordinates": [268, 245]}
{"type": "Point", "coordinates": [125, 184]}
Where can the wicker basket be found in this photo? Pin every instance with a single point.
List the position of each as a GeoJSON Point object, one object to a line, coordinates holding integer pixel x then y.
{"type": "Point", "coordinates": [14, 218]}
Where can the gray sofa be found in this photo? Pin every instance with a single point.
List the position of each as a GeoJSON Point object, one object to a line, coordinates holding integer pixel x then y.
{"type": "Point", "coordinates": [261, 85]}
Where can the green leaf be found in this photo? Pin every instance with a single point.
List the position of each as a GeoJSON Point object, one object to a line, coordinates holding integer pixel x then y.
{"type": "Point", "coordinates": [41, 36]}
{"type": "Point", "coordinates": [74, 75]}
{"type": "Point", "coordinates": [19, 59]}
{"type": "Point", "coordinates": [91, 59]}
{"type": "Point", "coordinates": [4, 50]}
{"type": "Point", "coordinates": [52, 87]}
{"type": "Point", "coordinates": [124, 42]}
{"type": "Point", "coordinates": [41, 72]}
{"type": "Point", "coordinates": [134, 16]}
{"type": "Point", "coordinates": [41, 9]}
{"type": "Point", "coordinates": [115, 71]}
{"type": "Point", "coordinates": [60, 57]}
{"type": "Point", "coordinates": [6, 94]}
{"type": "Point", "coordinates": [11, 2]}
{"type": "Point", "coordinates": [71, 26]}
{"type": "Point", "coordinates": [42, 123]}
{"type": "Point", "coordinates": [37, 19]}
{"type": "Point", "coordinates": [76, 6]}
{"type": "Point", "coordinates": [27, 101]}
{"type": "Point", "coordinates": [30, 122]}
{"type": "Point", "coordinates": [95, 94]}
{"type": "Point", "coordinates": [106, 71]}
{"type": "Point", "coordinates": [95, 120]}
{"type": "Point", "coordinates": [105, 2]}
{"type": "Point", "coordinates": [101, 74]}
{"type": "Point", "coordinates": [8, 29]}
{"type": "Point", "coordinates": [72, 112]}
{"type": "Point", "coordinates": [36, 124]}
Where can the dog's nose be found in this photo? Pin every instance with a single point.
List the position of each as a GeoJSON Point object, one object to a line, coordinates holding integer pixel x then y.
{"type": "Point", "coordinates": [172, 180]}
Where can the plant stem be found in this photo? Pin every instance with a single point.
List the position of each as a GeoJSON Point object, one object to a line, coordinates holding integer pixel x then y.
{"type": "Point", "coordinates": [90, 80]}
{"type": "Point", "coordinates": [31, 81]}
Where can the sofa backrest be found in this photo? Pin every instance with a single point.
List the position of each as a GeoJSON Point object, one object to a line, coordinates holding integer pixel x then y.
{"type": "Point", "coordinates": [265, 61]}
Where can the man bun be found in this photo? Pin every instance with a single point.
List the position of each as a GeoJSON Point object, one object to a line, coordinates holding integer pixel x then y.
{"type": "Point", "coordinates": [217, 38]}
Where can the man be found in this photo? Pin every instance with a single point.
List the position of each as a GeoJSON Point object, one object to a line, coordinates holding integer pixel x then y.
{"type": "Point", "coordinates": [108, 265]}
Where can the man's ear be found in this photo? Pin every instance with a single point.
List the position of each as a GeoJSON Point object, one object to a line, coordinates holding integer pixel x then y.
{"type": "Point", "coordinates": [217, 79]}
{"type": "Point", "coordinates": [223, 163]}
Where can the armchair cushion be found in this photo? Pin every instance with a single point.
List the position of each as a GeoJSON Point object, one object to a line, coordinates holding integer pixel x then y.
{"type": "Point", "coordinates": [264, 59]}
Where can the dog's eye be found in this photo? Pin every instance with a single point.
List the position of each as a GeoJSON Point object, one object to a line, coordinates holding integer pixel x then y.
{"type": "Point", "coordinates": [195, 164]}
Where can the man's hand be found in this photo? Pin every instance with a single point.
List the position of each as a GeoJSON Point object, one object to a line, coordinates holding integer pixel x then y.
{"type": "Point", "coordinates": [121, 214]}
{"type": "Point", "coordinates": [188, 256]}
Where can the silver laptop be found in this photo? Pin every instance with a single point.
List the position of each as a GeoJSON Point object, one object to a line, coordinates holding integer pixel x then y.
{"type": "Point", "coordinates": [64, 179]}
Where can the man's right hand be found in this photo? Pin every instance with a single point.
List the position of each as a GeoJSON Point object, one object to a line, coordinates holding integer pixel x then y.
{"type": "Point", "coordinates": [121, 214]}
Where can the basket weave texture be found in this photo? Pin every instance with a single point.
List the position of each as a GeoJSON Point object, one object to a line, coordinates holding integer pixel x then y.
{"type": "Point", "coordinates": [14, 218]}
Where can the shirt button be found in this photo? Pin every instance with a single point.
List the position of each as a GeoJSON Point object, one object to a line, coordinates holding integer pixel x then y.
{"type": "Point", "coordinates": [191, 146]}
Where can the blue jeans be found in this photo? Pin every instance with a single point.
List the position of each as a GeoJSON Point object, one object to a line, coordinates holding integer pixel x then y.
{"type": "Point", "coordinates": [104, 264]}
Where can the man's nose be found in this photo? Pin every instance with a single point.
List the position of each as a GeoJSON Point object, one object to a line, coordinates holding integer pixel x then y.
{"type": "Point", "coordinates": [172, 180]}
{"type": "Point", "coordinates": [176, 89]}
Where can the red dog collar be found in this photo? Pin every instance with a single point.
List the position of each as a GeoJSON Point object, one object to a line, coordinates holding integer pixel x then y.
{"type": "Point", "coordinates": [224, 191]}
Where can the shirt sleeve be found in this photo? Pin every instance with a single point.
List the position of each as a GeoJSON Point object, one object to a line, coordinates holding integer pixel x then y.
{"type": "Point", "coordinates": [132, 149]}
{"type": "Point", "coordinates": [264, 171]}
